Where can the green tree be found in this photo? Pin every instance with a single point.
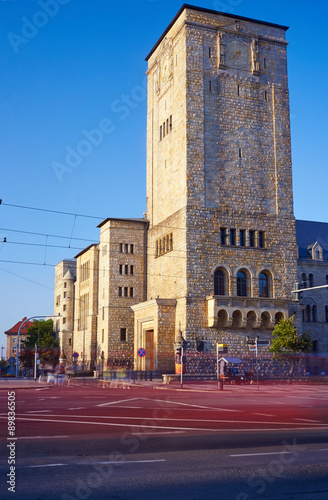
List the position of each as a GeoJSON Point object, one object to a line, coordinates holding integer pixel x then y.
{"type": "Point", "coordinates": [288, 344]}
{"type": "Point", "coordinates": [41, 333]}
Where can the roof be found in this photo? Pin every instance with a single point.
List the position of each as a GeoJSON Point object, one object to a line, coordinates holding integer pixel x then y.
{"type": "Point", "coordinates": [15, 328]}
{"type": "Point", "coordinates": [122, 219]}
{"type": "Point", "coordinates": [210, 11]}
{"type": "Point", "coordinates": [231, 360]}
{"type": "Point", "coordinates": [85, 250]}
{"type": "Point", "coordinates": [308, 233]}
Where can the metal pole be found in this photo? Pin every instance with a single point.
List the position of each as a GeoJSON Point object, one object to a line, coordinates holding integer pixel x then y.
{"type": "Point", "coordinates": [83, 333]}
{"type": "Point", "coordinates": [257, 368]}
{"type": "Point", "coordinates": [35, 359]}
{"type": "Point", "coordinates": [181, 375]}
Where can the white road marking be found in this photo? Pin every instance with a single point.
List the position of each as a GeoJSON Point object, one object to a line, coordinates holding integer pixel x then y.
{"type": "Point", "coordinates": [257, 454]}
{"type": "Point", "coordinates": [43, 437]}
{"type": "Point", "coordinates": [44, 465]}
{"type": "Point", "coordinates": [263, 414]}
{"type": "Point", "coordinates": [306, 420]}
{"type": "Point", "coordinates": [187, 404]}
{"type": "Point", "coordinates": [79, 408]}
{"type": "Point", "coordinates": [115, 402]}
{"type": "Point", "coordinates": [43, 389]}
{"type": "Point", "coordinates": [125, 462]}
{"type": "Point", "coordinates": [22, 417]}
{"type": "Point", "coordinates": [37, 411]}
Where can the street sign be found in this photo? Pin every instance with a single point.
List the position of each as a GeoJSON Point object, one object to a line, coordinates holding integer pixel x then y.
{"type": "Point", "coordinates": [263, 342]}
{"type": "Point", "coordinates": [252, 347]}
{"type": "Point", "coordinates": [141, 352]}
{"type": "Point", "coordinates": [223, 348]}
{"type": "Point", "coordinates": [75, 355]}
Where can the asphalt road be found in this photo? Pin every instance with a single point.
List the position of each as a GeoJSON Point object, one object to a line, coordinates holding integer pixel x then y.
{"type": "Point", "coordinates": [141, 443]}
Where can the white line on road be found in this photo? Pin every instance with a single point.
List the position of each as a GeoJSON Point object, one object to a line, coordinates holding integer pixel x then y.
{"type": "Point", "coordinates": [306, 420]}
{"type": "Point", "coordinates": [115, 402]}
{"type": "Point", "coordinates": [263, 414]}
{"type": "Point", "coordinates": [257, 454]}
{"type": "Point", "coordinates": [79, 408]}
{"type": "Point", "coordinates": [187, 404]}
{"type": "Point", "coordinates": [37, 411]}
{"type": "Point", "coordinates": [43, 389]}
{"type": "Point", "coordinates": [43, 437]}
{"type": "Point", "coordinates": [151, 426]}
{"type": "Point", "coordinates": [44, 465]}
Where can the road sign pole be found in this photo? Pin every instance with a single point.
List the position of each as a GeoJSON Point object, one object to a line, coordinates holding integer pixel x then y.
{"type": "Point", "coordinates": [181, 375]}
{"type": "Point", "coordinates": [257, 367]}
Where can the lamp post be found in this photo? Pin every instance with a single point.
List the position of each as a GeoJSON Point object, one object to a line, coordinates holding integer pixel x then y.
{"type": "Point", "coordinates": [84, 322]}
{"type": "Point", "coordinates": [2, 349]}
{"type": "Point", "coordinates": [19, 330]}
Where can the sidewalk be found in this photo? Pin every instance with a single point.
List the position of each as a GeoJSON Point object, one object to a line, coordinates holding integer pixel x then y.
{"type": "Point", "coordinates": [20, 383]}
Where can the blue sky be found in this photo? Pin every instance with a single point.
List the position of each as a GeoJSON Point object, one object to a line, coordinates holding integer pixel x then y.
{"type": "Point", "coordinates": [71, 68]}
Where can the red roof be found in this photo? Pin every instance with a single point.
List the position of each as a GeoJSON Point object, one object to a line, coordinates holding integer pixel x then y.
{"type": "Point", "coordinates": [15, 328]}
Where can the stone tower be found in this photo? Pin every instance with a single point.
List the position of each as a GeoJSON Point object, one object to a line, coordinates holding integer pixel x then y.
{"type": "Point", "coordinates": [221, 242]}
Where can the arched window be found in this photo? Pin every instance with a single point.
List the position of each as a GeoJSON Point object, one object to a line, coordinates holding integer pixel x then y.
{"type": "Point", "coordinates": [308, 314]}
{"type": "Point", "coordinates": [314, 314]}
{"type": "Point", "coordinates": [304, 280]}
{"type": "Point", "coordinates": [311, 280]}
{"type": "Point", "coordinates": [263, 285]}
{"type": "Point", "coordinates": [219, 284]}
{"type": "Point", "coordinates": [241, 284]}
{"type": "Point", "coordinates": [326, 279]}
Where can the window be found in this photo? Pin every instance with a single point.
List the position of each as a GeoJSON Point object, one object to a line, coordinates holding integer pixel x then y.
{"type": "Point", "coordinates": [264, 63]}
{"type": "Point", "coordinates": [132, 248]}
{"type": "Point", "coordinates": [261, 239]}
{"type": "Point", "coordinates": [14, 340]}
{"type": "Point", "coordinates": [121, 269]}
{"type": "Point", "coordinates": [126, 290]}
{"type": "Point", "coordinates": [311, 280]}
{"type": "Point", "coordinates": [308, 314]}
{"type": "Point", "coordinates": [263, 285]}
{"type": "Point", "coordinates": [210, 86]}
{"type": "Point", "coordinates": [131, 269]}
{"type": "Point", "coordinates": [223, 236]}
{"type": "Point", "coordinates": [326, 279]}
{"type": "Point", "coordinates": [121, 247]}
{"type": "Point", "coordinates": [64, 307]}
{"type": "Point", "coordinates": [131, 292]}
{"type": "Point", "coordinates": [65, 294]}
{"type": "Point", "coordinates": [326, 313]}
{"type": "Point", "coordinates": [166, 127]}
{"type": "Point", "coordinates": [314, 314]}
{"type": "Point", "coordinates": [102, 335]}
{"type": "Point", "coordinates": [126, 269]}
{"type": "Point", "coordinates": [65, 284]}
{"type": "Point", "coordinates": [238, 90]}
{"type": "Point", "coordinates": [69, 341]}
{"type": "Point", "coordinates": [219, 285]}
{"type": "Point", "coordinates": [232, 237]}
{"type": "Point", "coordinates": [252, 238]}
{"type": "Point", "coordinates": [120, 291]}
{"type": "Point", "coordinates": [265, 95]}
{"type": "Point", "coordinates": [242, 239]}
{"type": "Point", "coordinates": [64, 321]}
{"type": "Point", "coordinates": [126, 248]}
{"type": "Point", "coordinates": [241, 284]}
{"type": "Point", "coordinates": [304, 281]}
{"type": "Point", "coordinates": [160, 133]}
{"type": "Point", "coordinates": [103, 313]}
{"type": "Point", "coordinates": [240, 153]}
{"type": "Point", "coordinates": [164, 245]}
{"type": "Point", "coordinates": [209, 52]}
{"type": "Point", "coordinates": [123, 334]}
{"type": "Point", "coordinates": [58, 300]}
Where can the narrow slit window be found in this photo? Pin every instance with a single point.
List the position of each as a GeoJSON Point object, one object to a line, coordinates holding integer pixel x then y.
{"type": "Point", "coordinates": [160, 133]}
{"type": "Point", "coordinates": [240, 153]}
{"type": "Point", "coordinates": [209, 52]}
{"type": "Point", "coordinates": [170, 122]}
{"type": "Point", "coordinates": [210, 85]}
{"type": "Point", "coordinates": [265, 95]}
{"type": "Point", "coordinates": [264, 63]}
{"type": "Point", "coordinates": [238, 90]}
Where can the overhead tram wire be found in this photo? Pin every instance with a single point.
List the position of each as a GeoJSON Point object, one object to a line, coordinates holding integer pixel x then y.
{"type": "Point", "coordinates": [42, 245]}
{"type": "Point", "coordinates": [51, 211]}
{"type": "Point", "coordinates": [44, 234]}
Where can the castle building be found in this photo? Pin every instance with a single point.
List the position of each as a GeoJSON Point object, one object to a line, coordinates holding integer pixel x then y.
{"type": "Point", "coordinates": [216, 258]}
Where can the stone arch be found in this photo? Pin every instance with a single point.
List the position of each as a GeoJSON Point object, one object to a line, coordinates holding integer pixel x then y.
{"type": "Point", "coordinates": [223, 318]}
{"type": "Point", "coordinates": [252, 319]}
{"type": "Point", "coordinates": [237, 319]}
{"type": "Point", "coordinates": [265, 285]}
{"type": "Point", "coordinates": [266, 319]}
{"type": "Point", "coordinates": [278, 316]}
